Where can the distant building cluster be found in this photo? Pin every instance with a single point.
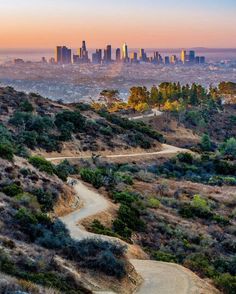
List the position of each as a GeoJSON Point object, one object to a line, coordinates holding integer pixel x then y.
{"type": "Point", "coordinates": [64, 55]}
{"type": "Point", "coordinates": [191, 58]}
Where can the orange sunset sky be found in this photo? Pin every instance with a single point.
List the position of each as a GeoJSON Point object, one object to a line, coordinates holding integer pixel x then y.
{"type": "Point", "coordinates": [160, 24]}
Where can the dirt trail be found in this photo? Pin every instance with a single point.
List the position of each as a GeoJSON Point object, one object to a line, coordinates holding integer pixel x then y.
{"type": "Point", "coordinates": [166, 149]}
{"type": "Point", "coordinates": [92, 203]}
{"type": "Point", "coordinates": [159, 277]}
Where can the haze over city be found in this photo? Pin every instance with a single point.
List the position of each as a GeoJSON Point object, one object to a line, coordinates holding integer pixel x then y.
{"type": "Point", "coordinates": [154, 24]}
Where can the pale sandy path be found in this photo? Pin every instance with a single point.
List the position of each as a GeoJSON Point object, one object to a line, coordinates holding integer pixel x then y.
{"type": "Point", "coordinates": [154, 113]}
{"type": "Point", "coordinates": [166, 149]}
{"type": "Point", "coordinates": [92, 203]}
{"type": "Point", "coordinates": [158, 277]}
{"type": "Point", "coordinates": [166, 278]}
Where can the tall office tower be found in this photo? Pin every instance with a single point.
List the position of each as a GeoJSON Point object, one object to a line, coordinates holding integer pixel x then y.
{"type": "Point", "coordinates": [118, 55]}
{"type": "Point", "coordinates": [105, 55]}
{"type": "Point", "coordinates": [84, 46]}
{"type": "Point", "coordinates": [173, 59]}
{"type": "Point", "coordinates": [157, 59]}
{"type": "Point", "coordinates": [183, 57]}
{"type": "Point", "coordinates": [83, 53]}
{"type": "Point", "coordinates": [142, 55]}
{"type": "Point", "coordinates": [63, 55]}
{"type": "Point", "coordinates": [108, 60]}
{"type": "Point", "coordinates": [66, 55]}
{"type": "Point", "coordinates": [191, 56]}
{"type": "Point", "coordinates": [167, 60]}
{"type": "Point", "coordinates": [125, 53]}
{"type": "Point", "coordinates": [134, 57]}
{"type": "Point", "coordinates": [97, 56]}
{"type": "Point", "coordinates": [58, 54]}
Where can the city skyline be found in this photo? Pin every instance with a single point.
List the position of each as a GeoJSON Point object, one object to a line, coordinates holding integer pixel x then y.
{"type": "Point", "coordinates": [65, 55]}
{"type": "Point", "coordinates": [153, 24]}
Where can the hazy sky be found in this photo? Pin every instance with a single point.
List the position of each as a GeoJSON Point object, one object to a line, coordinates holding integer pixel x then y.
{"type": "Point", "coordinates": [140, 23]}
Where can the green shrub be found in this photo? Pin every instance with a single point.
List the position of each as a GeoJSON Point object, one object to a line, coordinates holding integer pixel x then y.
{"type": "Point", "coordinates": [6, 265]}
{"type": "Point", "coordinates": [185, 157]}
{"type": "Point", "coordinates": [193, 117]}
{"type": "Point", "coordinates": [232, 119]}
{"type": "Point", "coordinates": [92, 176]}
{"type": "Point", "coordinates": [12, 190]}
{"type": "Point", "coordinates": [198, 207]}
{"type": "Point", "coordinates": [25, 217]}
{"type": "Point", "coordinates": [64, 169]}
{"type": "Point", "coordinates": [121, 229]}
{"type": "Point", "coordinates": [164, 256]}
{"type": "Point", "coordinates": [42, 164]}
{"type": "Point", "coordinates": [29, 138]}
{"type": "Point", "coordinates": [199, 202]}
{"type": "Point", "coordinates": [26, 106]}
{"type": "Point", "coordinates": [66, 131]}
{"type": "Point", "coordinates": [28, 200]}
{"type": "Point", "coordinates": [124, 197]}
{"type": "Point", "coordinates": [124, 177]}
{"type": "Point", "coordinates": [21, 118]}
{"type": "Point", "coordinates": [99, 228]}
{"type": "Point", "coordinates": [83, 106]}
{"type": "Point", "coordinates": [153, 202]}
{"type": "Point", "coordinates": [231, 181]}
{"type": "Point", "coordinates": [45, 199]}
{"type": "Point", "coordinates": [5, 135]}
{"type": "Point", "coordinates": [199, 263]}
{"type": "Point", "coordinates": [74, 118]}
{"type": "Point", "coordinates": [220, 219]}
{"type": "Point", "coordinates": [206, 144]}
{"type": "Point", "coordinates": [229, 148]}
{"type": "Point", "coordinates": [6, 151]}
{"type": "Point", "coordinates": [131, 217]}
{"type": "Point", "coordinates": [226, 283]}
{"type": "Point", "coordinates": [107, 131]}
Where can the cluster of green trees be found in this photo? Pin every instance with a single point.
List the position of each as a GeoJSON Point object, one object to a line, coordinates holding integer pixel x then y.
{"type": "Point", "coordinates": [171, 96]}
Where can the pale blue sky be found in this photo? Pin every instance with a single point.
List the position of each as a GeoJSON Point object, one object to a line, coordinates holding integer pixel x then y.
{"type": "Point", "coordinates": [146, 23]}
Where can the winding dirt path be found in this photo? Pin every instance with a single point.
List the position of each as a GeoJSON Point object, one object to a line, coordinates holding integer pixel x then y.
{"type": "Point", "coordinates": [158, 277]}
{"type": "Point", "coordinates": [166, 149]}
{"type": "Point", "coordinates": [92, 203]}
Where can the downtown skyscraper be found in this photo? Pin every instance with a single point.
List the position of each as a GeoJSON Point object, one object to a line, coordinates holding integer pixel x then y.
{"type": "Point", "coordinates": [125, 53]}
{"type": "Point", "coordinates": [63, 55]}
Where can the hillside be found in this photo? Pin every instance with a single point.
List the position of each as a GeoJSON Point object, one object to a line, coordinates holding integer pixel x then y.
{"type": "Point", "coordinates": [48, 127]}
{"type": "Point", "coordinates": [170, 207]}
{"type": "Point", "coordinates": [35, 247]}
{"type": "Point", "coordinates": [185, 129]}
